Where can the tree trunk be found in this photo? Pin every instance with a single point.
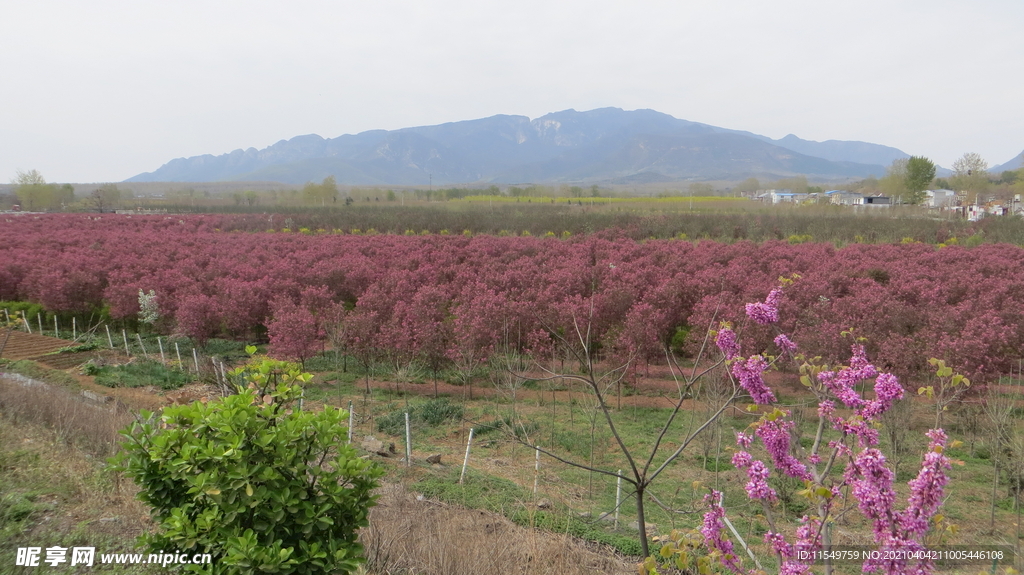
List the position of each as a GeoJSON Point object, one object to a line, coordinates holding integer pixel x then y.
{"type": "Point", "coordinates": [641, 523]}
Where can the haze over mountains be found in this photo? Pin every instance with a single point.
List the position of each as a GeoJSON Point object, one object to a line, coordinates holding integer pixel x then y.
{"type": "Point", "coordinates": [605, 145]}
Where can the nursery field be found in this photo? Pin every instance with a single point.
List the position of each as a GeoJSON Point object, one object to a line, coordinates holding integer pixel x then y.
{"type": "Point", "coordinates": [612, 379]}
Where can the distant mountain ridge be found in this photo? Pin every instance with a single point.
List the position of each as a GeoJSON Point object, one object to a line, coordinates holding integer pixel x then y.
{"type": "Point", "coordinates": [603, 145]}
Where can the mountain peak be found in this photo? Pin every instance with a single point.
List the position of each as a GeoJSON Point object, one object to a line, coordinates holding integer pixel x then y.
{"type": "Point", "coordinates": [604, 144]}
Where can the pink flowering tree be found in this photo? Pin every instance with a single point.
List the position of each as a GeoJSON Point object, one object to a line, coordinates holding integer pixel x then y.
{"type": "Point", "coordinates": [851, 419]}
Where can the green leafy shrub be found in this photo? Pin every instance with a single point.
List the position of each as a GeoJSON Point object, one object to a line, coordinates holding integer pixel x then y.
{"type": "Point", "coordinates": [259, 484]}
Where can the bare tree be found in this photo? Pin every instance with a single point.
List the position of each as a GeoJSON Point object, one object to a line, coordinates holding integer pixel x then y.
{"type": "Point", "coordinates": [645, 463]}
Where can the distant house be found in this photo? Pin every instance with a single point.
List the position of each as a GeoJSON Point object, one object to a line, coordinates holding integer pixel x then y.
{"type": "Point", "coordinates": [787, 197]}
{"type": "Point", "coordinates": [875, 201]}
{"type": "Point", "coordinates": [940, 198]}
{"type": "Point", "coordinates": [843, 198]}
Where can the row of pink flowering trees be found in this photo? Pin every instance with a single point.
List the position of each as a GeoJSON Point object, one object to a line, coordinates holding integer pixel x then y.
{"type": "Point", "coordinates": [436, 299]}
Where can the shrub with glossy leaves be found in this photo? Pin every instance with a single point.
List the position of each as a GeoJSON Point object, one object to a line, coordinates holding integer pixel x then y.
{"type": "Point", "coordinates": [259, 484]}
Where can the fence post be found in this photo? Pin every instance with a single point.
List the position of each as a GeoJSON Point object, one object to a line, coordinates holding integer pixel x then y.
{"type": "Point", "coordinates": [536, 468]}
{"type": "Point", "coordinates": [465, 460]}
{"type": "Point", "coordinates": [144, 352]}
{"type": "Point", "coordinates": [618, 496]}
{"type": "Point", "coordinates": [408, 442]}
{"type": "Point", "coordinates": [351, 420]}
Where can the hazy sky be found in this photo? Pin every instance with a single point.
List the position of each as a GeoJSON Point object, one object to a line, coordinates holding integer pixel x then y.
{"type": "Point", "coordinates": [100, 91]}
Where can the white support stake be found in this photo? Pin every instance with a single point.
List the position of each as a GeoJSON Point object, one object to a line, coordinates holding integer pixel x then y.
{"type": "Point", "coordinates": [144, 352]}
{"type": "Point", "coordinates": [195, 360]}
{"type": "Point", "coordinates": [743, 543]}
{"type": "Point", "coordinates": [161, 344]}
{"type": "Point", "coordinates": [618, 496]}
{"type": "Point", "coordinates": [536, 468]}
{"type": "Point", "coordinates": [28, 326]}
{"type": "Point", "coordinates": [7, 315]}
{"type": "Point", "coordinates": [109, 339]}
{"type": "Point", "coordinates": [124, 336]}
{"type": "Point", "coordinates": [408, 442]}
{"type": "Point", "coordinates": [216, 372]}
{"type": "Point", "coordinates": [39, 320]}
{"type": "Point", "coordinates": [465, 460]}
{"type": "Point", "coordinates": [351, 420]}
{"type": "Point", "coordinates": [56, 329]}
{"type": "Point", "coordinates": [74, 328]}
{"type": "Point", "coordinates": [177, 351]}
{"type": "Point", "coordinates": [302, 397]}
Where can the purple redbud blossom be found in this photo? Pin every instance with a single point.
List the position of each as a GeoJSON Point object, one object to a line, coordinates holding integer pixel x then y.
{"type": "Point", "coordinates": [741, 459]}
{"type": "Point", "coordinates": [775, 436]}
{"type": "Point", "coordinates": [926, 489]}
{"type": "Point", "coordinates": [826, 408]}
{"type": "Point", "coordinates": [872, 487]}
{"type": "Point", "coordinates": [767, 312]}
{"type": "Point", "coordinates": [757, 487]}
{"type": "Point", "coordinates": [712, 527]}
{"type": "Point", "coordinates": [726, 341]}
{"type": "Point", "coordinates": [743, 440]}
{"type": "Point", "coordinates": [807, 539]}
{"type": "Point", "coordinates": [777, 542]}
{"type": "Point", "coordinates": [784, 343]}
{"type": "Point", "coordinates": [751, 376]}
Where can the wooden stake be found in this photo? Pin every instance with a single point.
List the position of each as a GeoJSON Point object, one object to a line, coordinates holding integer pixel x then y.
{"type": "Point", "coordinates": [465, 460]}
{"type": "Point", "coordinates": [195, 359]}
{"type": "Point", "coordinates": [408, 442]}
{"type": "Point", "coordinates": [536, 468]}
{"type": "Point", "coordinates": [28, 326]}
{"type": "Point", "coordinates": [177, 351]}
{"type": "Point", "coordinates": [351, 420]}
{"type": "Point", "coordinates": [39, 320]}
{"type": "Point", "coordinates": [161, 344]}
{"type": "Point", "coordinates": [74, 328]}
{"type": "Point", "coordinates": [139, 337]}
{"type": "Point", "coordinates": [56, 329]}
{"type": "Point", "coordinates": [618, 497]}
{"type": "Point", "coordinates": [124, 336]}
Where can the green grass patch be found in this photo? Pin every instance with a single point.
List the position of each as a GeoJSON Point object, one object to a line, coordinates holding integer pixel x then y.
{"type": "Point", "coordinates": [139, 374]}
{"type": "Point", "coordinates": [432, 413]}
{"type": "Point", "coordinates": [482, 491]}
{"type": "Point", "coordinates": [35, 371]}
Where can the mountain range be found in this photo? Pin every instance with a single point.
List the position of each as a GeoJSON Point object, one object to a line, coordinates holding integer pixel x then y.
{"type": "Point", "coordinates": [607, 145]}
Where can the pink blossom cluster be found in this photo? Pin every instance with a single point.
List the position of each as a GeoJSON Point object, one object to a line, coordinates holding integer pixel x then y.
{"type": "Point", "coordinates": [784, 343]}
{"type": "Point", "coordinates": [766, 312]}
{"type": "Point", "coordinates": [775, 435]}
{"type": "Point", "coordinates": [712, 527]}
{"type": "Point", "coordinates": [870, 479]}
{"type": "Point", "coordinates": [725, 339]}
{"type": "Point", "coordinates": [750, 374]}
